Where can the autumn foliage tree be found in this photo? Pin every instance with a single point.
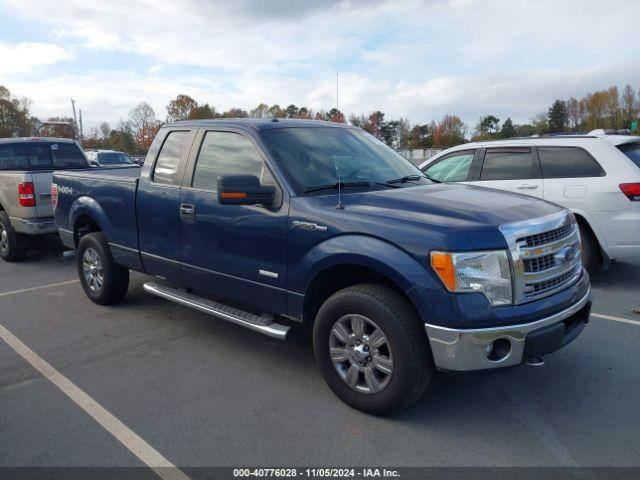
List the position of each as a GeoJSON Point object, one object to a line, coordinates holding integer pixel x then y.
{"type": "Point", "coordinates": [180, 108]}
{"type": "Point", "coordinates": [449, 132]}
{"type": "Point", "coordinates": [143, 125]}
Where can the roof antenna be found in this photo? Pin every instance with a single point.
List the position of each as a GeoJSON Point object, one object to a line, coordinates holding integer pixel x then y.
{"type": "Point", "coordinates": [339, 206]}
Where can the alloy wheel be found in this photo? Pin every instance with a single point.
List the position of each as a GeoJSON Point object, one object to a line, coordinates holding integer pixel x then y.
{"type": "Point", "coordinates": [361, 353]}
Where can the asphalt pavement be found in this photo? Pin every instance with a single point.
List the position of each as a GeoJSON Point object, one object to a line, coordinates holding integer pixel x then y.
{"type": "Point", "coordinates": [203, 392]}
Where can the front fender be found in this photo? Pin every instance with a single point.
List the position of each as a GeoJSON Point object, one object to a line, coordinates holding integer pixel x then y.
{"type": "Point", "coordinates": [365, 251]}
{"type": "Point", "coordinates": [407, 272]}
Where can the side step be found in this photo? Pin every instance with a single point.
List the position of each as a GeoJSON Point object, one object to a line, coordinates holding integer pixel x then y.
{"type": "Point", "coordinates": [263, 324]}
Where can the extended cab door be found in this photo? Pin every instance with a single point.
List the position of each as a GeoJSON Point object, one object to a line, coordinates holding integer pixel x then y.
{"type": "Point", "coordinates": [232, 252]}
{"type": "Point", "coordinates": [158, 203]}
{"type": "Point", "coordinates": [515, 169]}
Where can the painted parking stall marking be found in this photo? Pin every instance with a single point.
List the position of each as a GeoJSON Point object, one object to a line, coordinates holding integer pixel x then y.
{"type": "Point", "coordinates": [132, 441]}
{"type": "Point", "coordinates": [616, 319]}
{"type": "Point", "coordinates": [40, 287]}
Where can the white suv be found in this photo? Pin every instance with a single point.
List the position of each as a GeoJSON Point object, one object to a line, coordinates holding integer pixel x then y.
{"type": "Point", "coordinates": [596, 176]}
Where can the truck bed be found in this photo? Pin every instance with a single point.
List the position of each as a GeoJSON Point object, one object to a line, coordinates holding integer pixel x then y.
{"type": "Point", "coordinates": [107, 195]}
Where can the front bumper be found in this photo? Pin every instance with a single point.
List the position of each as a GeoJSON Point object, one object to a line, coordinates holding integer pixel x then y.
{"type": "Point", "coordinates": [34, 226]}
{"type": "Point", "coordinates": [469, 349]}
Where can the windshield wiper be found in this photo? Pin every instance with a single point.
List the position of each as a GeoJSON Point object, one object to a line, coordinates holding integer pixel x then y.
{"type": "Point", "coordinates": [334, 186]}
{"type": "Point", "coordinates": [433, 179]}
{"type": "Point", "coordinates": [406, 178]}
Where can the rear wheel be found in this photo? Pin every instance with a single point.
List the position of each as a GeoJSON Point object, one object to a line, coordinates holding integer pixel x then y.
{"type": "Point", "coordinates": [371, 349]}
{"type": "Point", "coordinates": [103, 280]}
{"type": "Point", "coordinates": [9, 249]}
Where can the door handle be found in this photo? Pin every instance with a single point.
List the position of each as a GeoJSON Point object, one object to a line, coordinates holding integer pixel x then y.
{"type": "Point", "coordinates": [528, 187]}
{"type": "Point", "coordinates": [187, 212]}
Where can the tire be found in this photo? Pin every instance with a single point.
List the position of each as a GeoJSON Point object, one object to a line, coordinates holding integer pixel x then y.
{"type": "Point", "coordinates": [590, 246]}
{"type": "Point", "coordinates": [103, 280]}
{"type": "Point", "coordinates": [406, 351]}
{"type": "Point", "coordinates": [9, 249]}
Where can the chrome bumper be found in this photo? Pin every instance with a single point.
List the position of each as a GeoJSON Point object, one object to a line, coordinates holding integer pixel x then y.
{"type": "Point", "coordinates": [466, 349]}
{"type": "Point", "coordinates": [35, 226]}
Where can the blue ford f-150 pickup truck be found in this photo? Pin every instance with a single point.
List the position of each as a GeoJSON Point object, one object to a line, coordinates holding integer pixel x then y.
{"type": "Point", "coordinates": [267, 222]}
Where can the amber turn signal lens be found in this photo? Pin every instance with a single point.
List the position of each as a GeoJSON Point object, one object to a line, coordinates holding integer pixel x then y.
{"type": "Point", "coordinates": [442, 264]}
{"type": "Point", "coordinates": [233, 195]}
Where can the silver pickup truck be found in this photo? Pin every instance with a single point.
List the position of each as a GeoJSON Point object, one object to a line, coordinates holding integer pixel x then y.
{"type": "Point", "coordinates": [26, 167]}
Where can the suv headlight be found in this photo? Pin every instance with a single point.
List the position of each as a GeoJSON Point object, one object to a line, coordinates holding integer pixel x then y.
{"type": "Point", "coordinates": [486, 272]}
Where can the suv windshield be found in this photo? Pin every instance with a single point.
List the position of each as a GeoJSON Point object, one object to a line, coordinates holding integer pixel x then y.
{"type": "Point", "coordinates": [311, 158]}
{"type": "Point", "coordinates": [631, 150]}
{"type": "Point", "coordinates": [114, 158]}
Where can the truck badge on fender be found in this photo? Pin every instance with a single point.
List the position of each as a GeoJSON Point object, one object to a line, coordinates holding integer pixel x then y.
{"type": "Point", "coordinates": [308, 226]}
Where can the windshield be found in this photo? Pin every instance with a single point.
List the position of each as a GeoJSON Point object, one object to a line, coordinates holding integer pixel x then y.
{"type": "Point", "coordinates": [114, 158]}
{"type": "Point", "coordinates": [311, 157]}
{"type": "Point", "coordinates": [631, 150]}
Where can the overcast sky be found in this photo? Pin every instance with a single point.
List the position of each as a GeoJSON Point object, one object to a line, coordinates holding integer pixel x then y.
{"type": "Point", "coordinates": [412, 59]}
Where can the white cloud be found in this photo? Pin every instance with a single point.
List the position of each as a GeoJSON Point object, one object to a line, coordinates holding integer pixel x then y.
{"type": "Point", "coordinates": [26, 56]}
{"type": "Point", "coordinates": [415, 59]}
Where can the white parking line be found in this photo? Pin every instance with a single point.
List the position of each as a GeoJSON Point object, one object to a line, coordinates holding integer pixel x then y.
{"type": "Point", "coordinates": [141, 449]}
{"type": "Point", "coordinates": [615, 319]}
{"type": "Point", "coordinates": [41, 287]}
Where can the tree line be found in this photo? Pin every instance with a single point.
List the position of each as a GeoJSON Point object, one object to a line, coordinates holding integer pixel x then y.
{"type": "Point", "coordinates": [605, 108]}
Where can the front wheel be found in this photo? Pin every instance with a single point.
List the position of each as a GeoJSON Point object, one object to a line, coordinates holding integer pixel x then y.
{"type": "Point", "coordinates": [103, 280]}
{"type": "Point", "coordinates": [371, 349]}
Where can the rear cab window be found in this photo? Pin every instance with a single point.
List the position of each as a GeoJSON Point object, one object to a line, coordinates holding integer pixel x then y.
{"type": "Point", "coordinates": [509, 163]}
{"type": "Point", "coordinates": [568, 162]}
{"type": "Point", "coordinates": [632, 151]}
{"type": "Point", "coordinates": [166, 167]}
{"type": "Point", "coordinates": [41, 156]}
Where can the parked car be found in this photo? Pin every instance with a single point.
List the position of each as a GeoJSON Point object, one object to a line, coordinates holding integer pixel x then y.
{"type": "Point", "coordinates": [26, 165]}
{"type": "Point", "coordinates": [268, 222]}
{"type": "Point", "coordinates": [596, 176]}
{"type": "Point", "coordinates": [108, 158]}
{"type": "Point", "coordinates": [138, 159]}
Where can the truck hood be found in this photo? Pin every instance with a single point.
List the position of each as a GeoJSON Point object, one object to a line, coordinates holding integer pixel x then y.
{"type": "Point", "coordinates": [438, 216]}
{"type": "Point", "coordinates": [450, 205]}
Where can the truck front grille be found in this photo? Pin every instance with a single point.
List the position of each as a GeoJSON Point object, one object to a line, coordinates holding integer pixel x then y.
{"type": "Point", "coordinates": [545, 255]}
{"type": "Point", "coordinates": [537, 288]}
{"type": "Point", "coordinates": [532, 265]}
{"type": "Point", "coordinates": [547, 237]}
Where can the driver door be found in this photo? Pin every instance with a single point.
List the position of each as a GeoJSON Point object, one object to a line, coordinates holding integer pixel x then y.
{"type": "Point", "coordinates": [232, 252]}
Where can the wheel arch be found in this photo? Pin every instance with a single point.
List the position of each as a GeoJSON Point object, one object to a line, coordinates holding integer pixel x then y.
{"type": "Point", "coordinates": [86, 216]}
{"type": "Point", "coordinates": [583, 219]}
{"type": "Point", "coordinates": [333, 265]}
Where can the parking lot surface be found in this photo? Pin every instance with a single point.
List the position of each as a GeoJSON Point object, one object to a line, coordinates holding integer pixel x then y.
{"type": "Point", "coordinates": [203, 392]}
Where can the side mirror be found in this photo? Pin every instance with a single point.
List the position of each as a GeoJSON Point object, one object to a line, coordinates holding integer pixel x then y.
{"type": "Point", "coordinates": [244, 190]}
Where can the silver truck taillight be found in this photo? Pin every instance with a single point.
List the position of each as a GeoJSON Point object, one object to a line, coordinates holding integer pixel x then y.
{"type": "Point", "coordinates": [54, 195]}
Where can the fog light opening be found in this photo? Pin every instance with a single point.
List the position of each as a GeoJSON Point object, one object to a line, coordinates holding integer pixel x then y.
{"type": "Point", "coordinates": [499, 350]}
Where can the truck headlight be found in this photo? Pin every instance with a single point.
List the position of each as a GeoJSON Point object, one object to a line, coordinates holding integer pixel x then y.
{"type": "Point", "coordinates": [486, 272]}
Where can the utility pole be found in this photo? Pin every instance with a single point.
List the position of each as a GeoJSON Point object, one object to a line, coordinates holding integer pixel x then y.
{"type": "Point", "coordinates": [75, 119]}
{"type": "Point", "coordinates": [337, 108]}
{"type": "Point", "coordinates": [81, 134]}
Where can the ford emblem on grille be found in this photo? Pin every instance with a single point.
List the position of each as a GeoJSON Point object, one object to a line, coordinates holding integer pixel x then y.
{"type": "Point", "coordinates": [566, 254]}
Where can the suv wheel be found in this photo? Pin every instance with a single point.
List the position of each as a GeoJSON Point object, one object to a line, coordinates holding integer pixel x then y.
{"type": "Point", "coordinates": [589, 245]}
{"type": "Point", "coordinates": [371, 349]}
{"type": "Point", "coordinates": [9, 249]}
{"type": "Point", "coordinates": [104, 281]}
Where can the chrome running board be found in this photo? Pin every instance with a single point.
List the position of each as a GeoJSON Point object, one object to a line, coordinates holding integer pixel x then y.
{"type": "Point", "coordinates": [263, 324]}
